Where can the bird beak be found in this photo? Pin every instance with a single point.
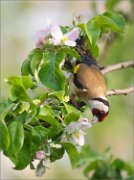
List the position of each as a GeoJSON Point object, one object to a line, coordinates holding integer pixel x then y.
{"type": "Point", "coordinates": [95, 119]}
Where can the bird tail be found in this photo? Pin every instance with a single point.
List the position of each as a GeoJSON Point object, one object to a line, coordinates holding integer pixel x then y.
{"type": "Point", "coordinates": [84, 52]}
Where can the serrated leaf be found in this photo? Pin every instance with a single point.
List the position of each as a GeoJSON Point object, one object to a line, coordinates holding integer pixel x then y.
{"type": "Point", "coordinates": [117, 18]}
{"type": "Point", "coordinates": [93, 31]}
{"type": "Point", "coordinates": [72, 153]}
{"type": "Point", "coordinates": [56, 153]}
{"type": "Point", "coordinates": [64, 29]}
{"type": "Point", "coordinates": [4, 134]}
{"type": "Point", "coordinates": [35, 60]}
{"type": "Point", "coordinates": [23, 157]}
{"type": "Point", "coordinates": [21, 107]}
{"type": "Point", "coordinates": [72, 52]}
{"type": "Point", "coordinates": [27, 82]}
{"type": "Point", "coordinates": [106, 22]}
{"type": "Point", "coordinates": [94, 50]}
{"type": "Point", "coordinates": [16, 133]}
{"type": "Point", "coordinates": [70, 108]}
{"type": "Point", "coordinates": [71, 117]}
{"type": "Point", "coordinates": [118, 163]}
{"type": "Point", "coordinates": [99, 24]}
{"type": "Point", "coordinates": [38, 135]}
{"type": "Point", "coordinates": [55, 131]}
{"type": "Point", "coordinates": [58, 94]}
{"type": "Point", "coordinates": [81, 26]}
{"type": "Point", "coordinates": [17, 89]}
{"type": "Point", "coordinates": [50, 73]}
{"type": "Point", "coordinates": [25, 68]}
{"type": "Point", "coordinates": [31, 63]}
{"type": "Point", "coordinates": [49, 119]}
{"type": "Point", "coordinates": [90, 167]}
{"type": "Point", "coordinates": [47, 114]}
{"type": "Point", "coordinates": [111, 3]}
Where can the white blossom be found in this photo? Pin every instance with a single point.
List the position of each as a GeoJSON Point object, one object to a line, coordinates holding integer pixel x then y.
{"type": "Point", "coordinates": [59, 38]}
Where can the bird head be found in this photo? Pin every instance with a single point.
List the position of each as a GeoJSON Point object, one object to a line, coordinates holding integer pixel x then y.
{"type": "Point", "coordinates": [99, 108]}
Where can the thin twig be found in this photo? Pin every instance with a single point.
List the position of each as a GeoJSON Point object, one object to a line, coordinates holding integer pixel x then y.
{"type": "Point", "coordinates": [117, 66]}
{"type": "Point", "coordinates": [120, 91]}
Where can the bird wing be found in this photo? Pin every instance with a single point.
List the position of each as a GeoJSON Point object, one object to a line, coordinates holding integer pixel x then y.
{"type": "Point", "coordinates": [91, 79]}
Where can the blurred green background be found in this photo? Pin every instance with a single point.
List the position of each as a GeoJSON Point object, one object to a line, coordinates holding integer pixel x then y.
{"type": "Point", "coordinates": [20, 20]}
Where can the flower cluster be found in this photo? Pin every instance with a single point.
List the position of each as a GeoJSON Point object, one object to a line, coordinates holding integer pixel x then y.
{"type": "Point", "coordinates": [74, 132]}
{"type": "Point", "coordinates": [55, 36]}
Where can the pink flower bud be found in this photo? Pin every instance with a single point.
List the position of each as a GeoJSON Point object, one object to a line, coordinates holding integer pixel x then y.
{"type": "Point", "coordinates": [40, 155]}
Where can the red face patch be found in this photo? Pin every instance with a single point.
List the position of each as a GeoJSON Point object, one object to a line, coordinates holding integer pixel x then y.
{"type": "Point", "coordinates": [100, 114]}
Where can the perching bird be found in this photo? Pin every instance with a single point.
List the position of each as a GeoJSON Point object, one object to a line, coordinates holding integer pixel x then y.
{"type": "Point", "coordinates": [88, 83]}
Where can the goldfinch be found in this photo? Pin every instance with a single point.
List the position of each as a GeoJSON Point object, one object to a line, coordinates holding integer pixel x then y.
{"type": "Point", "coordinates": [88, 83]}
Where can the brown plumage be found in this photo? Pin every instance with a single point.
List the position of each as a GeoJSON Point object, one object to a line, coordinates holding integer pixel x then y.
{"type": "Point", "coordinates": [92, 81]}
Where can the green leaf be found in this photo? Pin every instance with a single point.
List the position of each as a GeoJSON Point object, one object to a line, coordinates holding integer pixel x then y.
{"type": "Point", "coordinates": [49, 119]}
{"type": "Point", "coordinates": [27, 82]}
{"type": "Point", "coordinates": [88, 154]}
{"type": "Point", "coordinates": [94, 50]}
{"type": "Point", "coordinates": [106, 22]}
{"type": "Point", "coordinates": [101, 23]}
{"type": "Point", "coordinates": [71, 117]}
{"type": "Point", "coordinates": [56, 153]}
{"type": "Point", "coordinates": [23, 157]}
{"type": "Point", "coordinates": [38, 135]}
{"type": "Point", "coordinates": [110, 4]}
{"type": "Point", "coordinates": [118, 19]}
{"type": "Point", "coordinates": [64, 29]}
{"type": "Point", "coordinates": [30, 65]}
{"type": "Point", "coordinates": [93, 31]}
{"type": "Point", "coordinates": [47, 115]}
{"type": "Point", "coordinates": [35, 60]}
{"type": "Point", "coordinates": [55, 132]}
{"type": "Point", "coordinates": [70, 108]}
{"type": "Point", "coordinates": [17, 89]}
{"type": "Point", "coordinates": [81, 26]}
{"type": "Point", "coordinates": [50, 73]}
{"type": "Point", "coordinates": [32, 113]}
{"type": "Point", "coordinates": [58, 94]}
{"type": "Point", "coordinates": [4, 134]}
{"type": "Point", "coordinates": [72, 52]}
{"type": "Point", "coordinates": [21, 107]}
{"type": "Point", "coordinates": [16, 133]}
{"type": "Point", "coordinates": [119, 165]}
{"type": "Point", "coordinates": [72, 153]}
{"type": "Point", "coordinates": [25, 68]}
{"type": "Point", "coordinates": [90, 167]}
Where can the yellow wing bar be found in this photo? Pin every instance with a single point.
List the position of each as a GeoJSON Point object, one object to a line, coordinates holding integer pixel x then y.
{"type": "Point", "coordinates": [76, 68]}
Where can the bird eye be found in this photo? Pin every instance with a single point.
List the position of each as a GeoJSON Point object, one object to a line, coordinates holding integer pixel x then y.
{"type": "Point", "coordinates": [101, 115]}
{"type": "Point", "coordinates": [101, 112]}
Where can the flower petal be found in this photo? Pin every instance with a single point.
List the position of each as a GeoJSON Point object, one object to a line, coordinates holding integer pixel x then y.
{"type": "Point", "coordinates": [84, 124]}
{"type": "Point", "coordinates": [55, 41]}
{"type": "Point", "coordinates": [70, 43]}
{"type": "Point", "coordinates": [73, 35]}
{"type": "Point", "coordinates": [81, 140]}
{"type": "Point", "coordinates": [78, 138]}
{"type": "Point", "coordinates": [56, 31]}
{"type": "Point", "coordinates": [72, 127]}
{"type": "Point", "coordinates": [44, 32]}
